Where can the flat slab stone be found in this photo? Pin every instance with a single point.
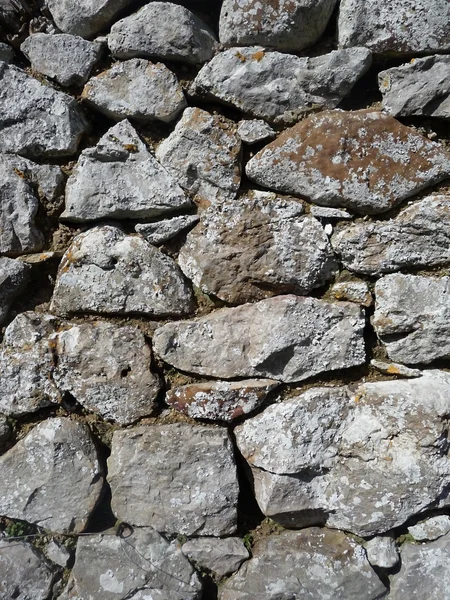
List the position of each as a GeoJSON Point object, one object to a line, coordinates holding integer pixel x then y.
{"type": "Point", "coordinates": [255, 247]}
{"type": "Point", "coordinates": [177, 478]}
{"type": "Point", "coordinates": [390, 368]}
{"type": "Point", "coordinates": [106, 271]}
{"type": "Point", "coordinates": [287, 85]}
{"type": "Point", "coordinates": [84, 17]}
{"type": "Point", "coordinates": [254, 131]}
{"type": "Point", "coordinates": [288, 338]}
{"type": "Point", "coordinates": [136, 89]}
{"type": "Point", "coordinates": [222, 556]}
{"type": "Point", "coordinates": [119, 178]}
{"type": "Point", "coordinates": [431, 529]}
{"type": "Point", "coordinates": [160, 232]}
{"type": "Point", "coordinates": [363, 160]}
{"type": "Point", "coordinates": [14, 276]}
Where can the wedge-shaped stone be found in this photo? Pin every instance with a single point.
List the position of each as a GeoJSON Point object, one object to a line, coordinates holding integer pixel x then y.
{"type": "Point", "coordinates": [119, 178]}
{"type": "Point", "coordinates": [24, 572]}
{"type": "Point", "coordinates": [176, 478]}
{"type": "Point", "coordinates": [222, 556]}
{"type": "Point", "coordinates": [14, 276]}
{"type": "Point", "coordinates": [84, 17]}
{"type": "Point", "coordinates": [288, 338]}
{"type": "Point", "coordinates": [363, 160]}
{"type": "Point", "coordinates": [159, 232]}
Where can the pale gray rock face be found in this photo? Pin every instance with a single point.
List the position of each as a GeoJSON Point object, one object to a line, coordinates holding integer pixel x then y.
{"type": "Point", "coordinates": [119, 178]}
{"type": "Point", "coordinates": [163, 30]}
{"type": "Point", "coordinates": [136, 89]}
{"type": "Point", "coordinates": [382, 552]}
{"type": "Point", "coordinates": [363, 160]}
{"type": "Point", "coordinates": [222, 556]}
{"type": "Point", "coordinates": [287, 338]}
{"type": "Point", "coordinates": [390, 368]}
{"type": "Point", "coordinates": [418, 236]}
{"type": "Point", "coordinates": [281, 24]}
{"type": "Point", "coordinates": [353, 291]}
{"type": "Point", "coordinates": [313, 563]}
{"type": "Point", "coordinates": [142, 566]}
{"type": "Point", "coordinates": [52, 477]}
{"type": "Point", "coordinates": [159, 232]}
{"type": "Point", "coordinates": [24, 572]}
{"type": "Point", "coordinates": [398, 27]}
{"type": "Point", "coordinates": [412, 317]}
{"type": "Point", "coordinates": [330, 214]}
{"type": "Point", "coordinates": [106, 271]}
{"type": "Point", "coordinates": [280, 87]}
{"type": "Point", "coordinates": [203, 154]}
{"type": "Point", "coordinates": [431, 529]}
{"type": "Point", "coordinates": [6, 53]}
{"type": "Point", "coordinates": [253, 131]}
{"type": "Point", "coordinates": [176, 478]}
{"type": "Point", "coordinates": [14, 277]}
{"type": "Point", "coordinates": [84, 17]}
{"type": "Point", "coordinates": [256, 247]}
{"type": "Point", "coordinates": [36, 120]}
{"type": "Point", "coordinates": [57, 553]}
{"type": "Point", "coordinates": [220, 400]}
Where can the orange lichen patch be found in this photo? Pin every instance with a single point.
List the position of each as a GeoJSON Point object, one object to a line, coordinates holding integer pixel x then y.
{"type": "Point", "coordinates": [258, 56]}
{"type": "Point", "coordinates": [131, 148]}
{"type": "Point", "coordinates": [240, 56]}
{"type": "Point", "coordinates": [19, 173]}
{"type": "Point", "coordinates": [393, 370]}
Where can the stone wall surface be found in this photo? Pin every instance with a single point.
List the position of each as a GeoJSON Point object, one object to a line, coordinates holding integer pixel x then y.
{"type": "Point", "coordinates": [224, 300]}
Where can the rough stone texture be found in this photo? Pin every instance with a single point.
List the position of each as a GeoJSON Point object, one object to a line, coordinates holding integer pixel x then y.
{"type": "Point", "coordinates": [254, 131]}
{"type": "Point", "coordinates": [14, 277]}
{"type": "Point", "coordinates": [220, 400]}
{"type": "Point", "coordinates": [52, 477]}
{"type": "Point", "coordinates": [163, 30]}
{"type": "Point", "coordinates": [280, 24]}
{"type": "Point", "coordinates": [313, 563]}
{"type": "Point", "coordinates": [5, 429]}
{"type": "Point", "coordinates": [287, 338]}
{"type": "Point", "coordinates": [330, 214]}
{"type": "Point", "coordinates": [36, 120]}
{"type": "Point", "coordinates": [411, 317]}
{"type": "Point", "coordinates": [222, 556]}
{"type": "Point", "coordinates": [162, 231]}
{"type": "Point", "coordinates": [382, 552]}
{"type": "Point", "coordinates": [280, 87]}
{"type": "Point", "coordinates": [177, 478]}
{"type": "Point", "coordinates": [57, 553]}
{"type": "Point", "coordinates": [136, 89]}
{"type": "Point", "coordinates": [203, 153]}
{"type": "Point", "coordinates": [106, 271]}
{"type": "Point", "coordinates": [6, 53]}
{"type": "Point", "coordinates": [363, 160]}
{"type": "Point", "coordinates": [84, 17]}
{"type": "Point", "coordinates": [395, 369]}
{"type": "Point", "coordinates": [418, 236]}
{"type": "Point", "coordinates": [401, 27]}
{"type": "Point", "coordinates": [431, 529]}
{"type": "Point", "coordinates": [353, 291]}
{"type": "Point", "coordinates": [24, 572]}
{"type": "Point", "coordinates": [119, 178]}
{"type": "Point", "coordinates": [256, 247]}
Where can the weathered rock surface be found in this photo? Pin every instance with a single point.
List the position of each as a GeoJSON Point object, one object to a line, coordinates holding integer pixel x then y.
{"type": "Point", "coordinates": [411, 317]}
{"type": "Point", "coordinates": [325, 213]}
{"type": "Point", "coordinates": [287, 338]}
{"type": "Point", "coordinates": [314, 563]}
{"type": "Point", "coordinates": [395, 27]}
{"type": "Point", "coordinates": [177, 478]}
{"type": "Point", "coordinates": [136, 89]}
{"type": "Point", "coordinates": [253, 131]}
{"type": "Point", "coordinates": [36, 120]}
{"type": "Point", "coordinates": [353, 291]}
{"type": "Point", "coordinates": [163, 30]}
{"type": "Point", "coordinates": [363, 160]}
{"type": "Point", "coordinates": [14, 277]}
{"type": "Point", "coordinates": [398, 369]}
{"type": "Point", "coordinates": [52, 477]}
{"type": "Point", "coordinates": [382, 552]}
{"type": "Point", "coordinates": [431, 529]}
{"type": "Point", "coordinates": [283, 25]}
{"type": "Point", "coordinates": [58, 553]}
{"type": "Point", "coordinates": [418, 236]}
{"type": "Point", "coordinates": [106, 271]}
{"type": "Point", "coordinates": [220, 400]}
{"type": "Point", "coordinates": [84, 17]}
{"type": "Point", "coordinates": [280, 87]}
{"type": "Point", "coordinates": [119, 178]}
{"type": "Point", "coordinates": [256, 247]}
{"type": "Point", "coordinates": [160, 232]}
{"type": "Point", "coordinates": [203, 154]}
{"type": "Point", "coordinates": [222, 556]}
{"type": "Point", "coordinates": [5, 429]}
{"type": "Point", "coordinates": [6, 53]}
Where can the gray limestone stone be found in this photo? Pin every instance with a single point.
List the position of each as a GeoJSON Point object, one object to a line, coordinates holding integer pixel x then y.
{"type": "Point", "coordinates": [326, 213]}
{"type": "Point", "coordinates": [163, 30]}
{"type": "Point", "coordinates": [222, 556]}
{"type": "Point", "coordinates": [280, 87]}
{"type": "Point", "coordinates": [353, 291]}
{"type": "Point", "coordinates": [14, 277]}
{"type": "Point", "coordinates": [176, 478]}
{"type": "Point", "coordinates": [136, 89]}
{"type": "Point", "coordinates": [431, 529]}
{"type": "Point", "coordinates": [120, 178]}
{"type": "Point", "coordinates": [382, 552]}
{"type": "Point", "coordinates": [288, 338]}
{"type": "Point", "coordinates": [52, 477]}
{"type": "Point", "coordinates": [106, 271]}
{"type": "Point", "coordinates": [57, 553]}
{"type": "Point", "coordinates": [160, 232]}
{"type": "Point", "coordinates": [84, 17]}
{"type": "Point", "coordinates": [254, 131]}
{"type": "Point", "coordinates": [363, 160]}
{"type": "Point", "coordinates": [6, 53]}
{"type": "Point", "coordinates": [390, 368]}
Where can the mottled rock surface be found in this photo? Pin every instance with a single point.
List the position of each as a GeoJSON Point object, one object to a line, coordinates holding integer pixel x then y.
{"type": "Point", "coordinates": [398, 369]}
{"type": "Point", "coordinates": [253, 131]}
{"type": "Point", "coordinates": [160, 232]}
{"type": "Point", "coordinates": [382, 552]}
{"type": "Point", "coordinates": [431, 529]}
{"type": "Point", "coordinates": [353, 291]}
{"type": "Point", "coordinates": [222, 556]}
{"type": "Point", "coordinates": [84, 17]}
{"type": "Point", "coordinates": [14, 276]}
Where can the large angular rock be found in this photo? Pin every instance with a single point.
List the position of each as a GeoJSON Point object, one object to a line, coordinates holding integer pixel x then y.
{"type": "Point", "coordinates": [363, 160]}
{"type": "Point", "coordinates": [418, 236]}
{"type": "Point", "coordinates": [14, 276]}
{"type": "Point", "coordinates": [176, 478]}
{"type": "Point", "coordinates": [222, 556]}
{"type": "Point", "coordinates": [52, 477]}
{"type": "Point", "coordinates": [280, 87]}
{"type": "Point", "coordinates": [288, 338]}
{"type": "Point", "coordinates": [203, 153]}
{"type": "Point", "coordinates": [106, 271]}
{"type": "Point", "coordinates": [119, 178]}
{"type": "Point", "coordinates": [256, 247]}
{"type": "Point", "coordinates": [36, 120]}
{"type": "Point", "coordinates": [150, 33]}
{"type": "Point", "coordinates": [84, 17]}
{"type": "Point", "coordinates": [412, 317]}
{"type": "Point", "coordinates": [395, 28]}
{"type": "Point", "coordinates": [136, 89]}
{"type": "Point", "coordinates": [313, 563]}
{"type": "Point", "coordinates": [283, 25]}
